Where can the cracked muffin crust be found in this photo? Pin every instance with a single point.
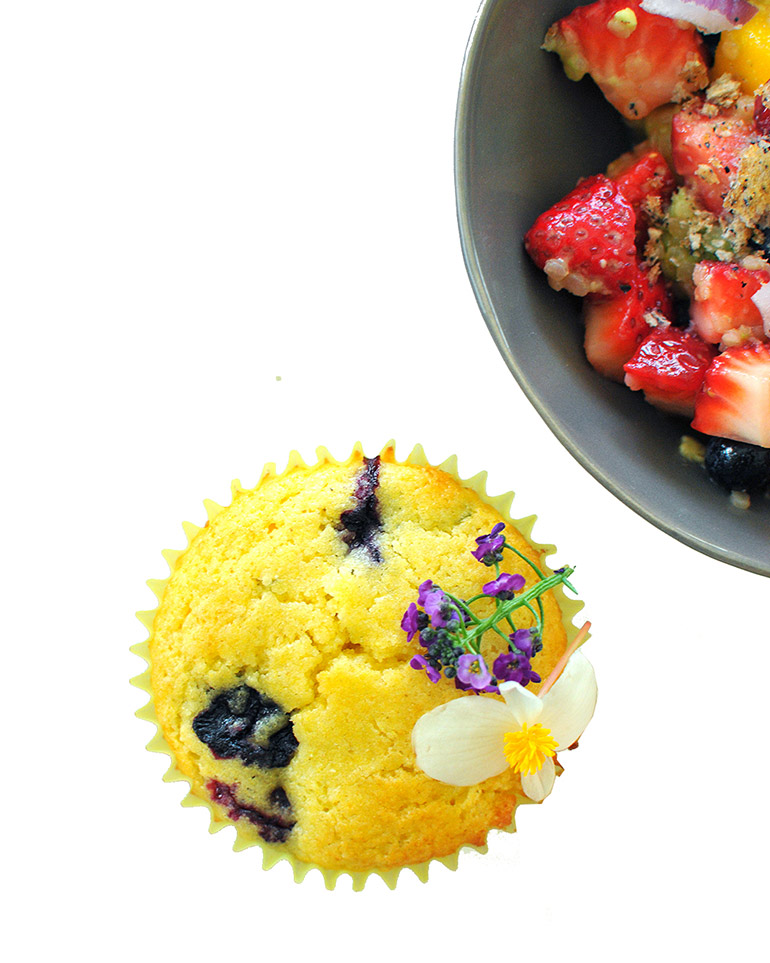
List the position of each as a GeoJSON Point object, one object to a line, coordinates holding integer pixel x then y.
{"type": "Point", "coordinates": [280, 672]}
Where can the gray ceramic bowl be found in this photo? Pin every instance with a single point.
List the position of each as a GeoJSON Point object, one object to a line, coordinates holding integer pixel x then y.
{"type": "Point", "coordinates": [524, 136]}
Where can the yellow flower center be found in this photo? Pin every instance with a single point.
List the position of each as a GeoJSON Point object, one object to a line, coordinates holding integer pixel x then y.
{"type": "Point", "coordinates": [527, 749]}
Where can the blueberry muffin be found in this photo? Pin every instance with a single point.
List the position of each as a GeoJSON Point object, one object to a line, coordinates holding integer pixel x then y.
{"type": "Point", "coordinates": [281, 675]}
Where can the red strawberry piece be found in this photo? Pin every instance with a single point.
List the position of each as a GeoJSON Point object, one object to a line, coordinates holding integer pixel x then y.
{"type": "Point", "coordinates": [762, 110]}
{"type": "Point", "coordinates": [616, 325]}
{"type": "Point", "coordinates": [722, 309]}
{"type": "Point", "coordinates": [669, 367]}
{"type": "Point", "coordinates": [639, 60]}
{"type": "Point", "coordinates": [642, 173]}
{"type": "Point", "coordinates": [734, 401]}
{"type": "Point", "coordinates": [585, 242]}
{"type": "Point", "coordinates": [707, 151]}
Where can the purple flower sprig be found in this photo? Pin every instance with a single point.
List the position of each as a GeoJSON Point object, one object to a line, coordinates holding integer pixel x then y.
{"type": "Point", "coordinates": [489, 548]}
{"type": "Point", "coordinates": [451, 633]}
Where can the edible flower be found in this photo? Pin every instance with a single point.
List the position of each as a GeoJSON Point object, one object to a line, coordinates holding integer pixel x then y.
{"type": "Point", "coordinates": [410, 623]}
{"type": "Point", "coordinates": [437, 606]}
{"type": "Point", "coordinates": [514, 667]}
{"type": "Point", "coordinates": [489, 547]}
{"type": "Point", "coordinates": [472, 671]}
{"type": "Point", "coordinates": [466, 741]}
{"type": "Point", "coordinates": [504, 586]}
{"type": "Point", "coordinates": [453, 634]}
{"type": "Point", "coordinates": [710, 16]}
{"type": "Point", "coordinates": [420, 662]}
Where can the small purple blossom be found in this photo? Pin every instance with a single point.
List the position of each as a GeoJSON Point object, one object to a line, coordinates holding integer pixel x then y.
{"type": "Point", "coordinates": [451, 633]}
{"type": "Point", "coordinates": [420, 662]}
{"type": "Point", "coordinates": [472, 671]}
{"type": "Point", "coordinates": [465, 687]}
{"type": "Point", "coordinates": [437, 607]}
{"type": "Point", "coordinates": [514, 667]}
{"type": "Point", "coordinates": [423, 590]}
{"type": "Point", "coordinates": [490, 547]}
{"type": "Point", "coordinates": [522, 640]}
{"type": "Point", "coordinates": [505, 586]}
{"type": "Point", "coordinates": [410, 623]}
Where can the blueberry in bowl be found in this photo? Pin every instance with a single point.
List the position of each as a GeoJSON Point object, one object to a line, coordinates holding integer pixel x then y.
{"type": "Point", "coordinates": [527, 137]}
{"type": "Point", "coordinates": [738, 466]}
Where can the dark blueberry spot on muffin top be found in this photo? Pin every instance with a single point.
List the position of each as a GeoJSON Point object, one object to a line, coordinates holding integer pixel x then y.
{"type": "Point", "coordinates": [361, 525]}
{"type": "Point", "coordinates": [281, 746]}
{"type": "Point", "coordinates": [279, 799]}
{"type": "Point", "coordinates": [273, 827]}
{"type": "Point", "coordinates": [244, 724]}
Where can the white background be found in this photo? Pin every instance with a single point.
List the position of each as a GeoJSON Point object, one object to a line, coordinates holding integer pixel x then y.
{"type": "Point", "coordinates": [228, 231]}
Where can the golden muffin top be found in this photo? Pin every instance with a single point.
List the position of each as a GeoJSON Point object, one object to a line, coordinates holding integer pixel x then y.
{"type": "Point", "coordinates": [281, 674]}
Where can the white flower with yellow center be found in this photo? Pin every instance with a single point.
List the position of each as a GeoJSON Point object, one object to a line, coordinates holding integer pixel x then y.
{"type": "Point", "coordinates": [471, 739]}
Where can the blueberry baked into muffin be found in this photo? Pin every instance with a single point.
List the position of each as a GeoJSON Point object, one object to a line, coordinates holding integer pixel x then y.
{"type": "Point", "coordinates": [284, 647]}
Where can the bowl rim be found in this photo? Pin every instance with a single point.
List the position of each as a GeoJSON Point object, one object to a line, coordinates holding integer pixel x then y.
{"type": "Point", "coordinates": [469, 69]}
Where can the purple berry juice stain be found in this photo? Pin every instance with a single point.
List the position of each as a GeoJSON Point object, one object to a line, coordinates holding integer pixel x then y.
{"type": "Point", "coordinates": [272, 827]}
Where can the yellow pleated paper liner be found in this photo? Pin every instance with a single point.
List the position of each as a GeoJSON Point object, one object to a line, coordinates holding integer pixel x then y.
{"type": "Point", "coordinates": [273, 853]}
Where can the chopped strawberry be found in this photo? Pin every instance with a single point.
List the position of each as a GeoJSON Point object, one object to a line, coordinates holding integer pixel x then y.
{"type": "Point", "coordinates": [762, 110]}
{"type": "Point", "coordinates": [642, 173]}
{"type": "Point", "coordinates": [585, 242]}
{"type": "Point", "coordinates": [616, 325]}
{"type": "Point", "coordinates": [722, 309]}
{"type": "Point", "coordinates": [669, 367]}
{"type": "Point", "coordinates": [707, 151]}
{"type": "Point", "coordinates": [639, 60]}
{"type": "Point", "coordinates": [734, 401]}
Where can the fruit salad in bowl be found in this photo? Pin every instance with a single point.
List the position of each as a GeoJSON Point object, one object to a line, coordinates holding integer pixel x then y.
{"type": "Point", "coordinates": [668, 246]}
{"type": "Point", "coordinates": [642, 192]}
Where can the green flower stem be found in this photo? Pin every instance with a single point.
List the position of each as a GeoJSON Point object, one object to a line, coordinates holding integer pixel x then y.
{"type": "Point", "coordinates": [524, 558]}
{"type": "Point", "coordinates": [536, 570]}
{"type": "Point", "coordinates": [502, 634]}
{"type": "Point", "coordinates": [457, 629]}
{"type": "Point", "coordinates": [471, 640]}
{"type": "Point", "coordinates": [505, 608]}
{"type": "Point", "coordinates": [538, 621]}
{"type": "Point", "coordinates": [463, 606]}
